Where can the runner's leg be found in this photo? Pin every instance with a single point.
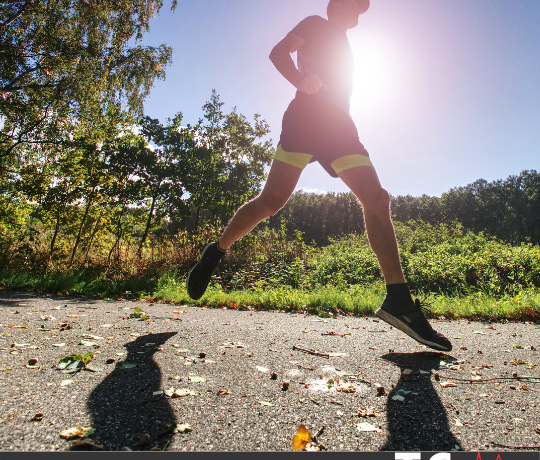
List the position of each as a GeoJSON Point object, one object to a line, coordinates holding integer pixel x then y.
{"type": "Point", "coordinates": [364, 183]}
{"type": "Point", "coordinates": [280, 185]}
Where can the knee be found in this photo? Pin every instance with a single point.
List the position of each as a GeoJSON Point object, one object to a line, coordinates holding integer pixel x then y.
{"type": "Point", "coordinates": [378, 200]}
{"type": "Point", "coordinates": [270, 204]}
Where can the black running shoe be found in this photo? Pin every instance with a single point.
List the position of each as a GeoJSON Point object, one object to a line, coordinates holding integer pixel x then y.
{"type": "Point", "coordinates": [414, 323]}
{"type": "Point", "coordinates": [200, 275]}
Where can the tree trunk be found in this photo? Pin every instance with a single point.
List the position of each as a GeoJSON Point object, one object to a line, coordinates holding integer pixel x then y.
{"type": "Point", "coordinates": [96, 227]}
{"type": "Point", "coordinates": [56, 229]}
{"type": "Point", "coordinates": [197, 219]}
{"type": "Point", "coordinates": [148, 224]}
{"type": "Point", "coordinates": [83, 221]}
{"type": "Point", "coordinates": [119, 234]}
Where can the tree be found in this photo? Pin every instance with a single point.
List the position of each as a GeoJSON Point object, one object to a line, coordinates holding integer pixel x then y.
{"type": "Point", "coordinates": [227, 166]}
{"type": "Point", "coordinates": [163, 158]}
{"type": "Point", "coordinates": [70, 62]}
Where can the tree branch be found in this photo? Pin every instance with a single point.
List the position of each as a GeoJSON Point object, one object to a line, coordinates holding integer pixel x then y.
{"type": "Point", "coordinates": [10, 86]}
{"type": "Point", "coordinates": [16, 15]}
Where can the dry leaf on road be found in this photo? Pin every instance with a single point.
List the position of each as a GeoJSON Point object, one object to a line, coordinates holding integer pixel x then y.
{"type": "Point", "coordinates": [302, 438]}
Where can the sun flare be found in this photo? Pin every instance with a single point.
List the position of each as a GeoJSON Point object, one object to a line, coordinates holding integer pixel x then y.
{"type": "Point", "coordinates": [377, 75]}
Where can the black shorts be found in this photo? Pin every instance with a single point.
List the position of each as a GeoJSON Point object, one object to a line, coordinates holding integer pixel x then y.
{"type": "Point", "coordinates": [316, 130]}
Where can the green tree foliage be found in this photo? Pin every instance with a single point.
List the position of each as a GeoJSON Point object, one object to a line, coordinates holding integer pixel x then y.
{"type": "Point", "coordinates": [72, 61]}
{"type": "Point", "coordinates": [123, 181]}
{"type": "Point", "coordinates": [508, 209]}
{"type": "Point", "coordinates": [227, 167]}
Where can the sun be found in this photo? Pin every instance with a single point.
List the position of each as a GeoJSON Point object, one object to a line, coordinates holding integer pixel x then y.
{"type": "Point", "coordinates": [377, 75]}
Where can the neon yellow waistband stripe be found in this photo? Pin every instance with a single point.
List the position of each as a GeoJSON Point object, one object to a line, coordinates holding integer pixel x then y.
{"type": "Point", "coordinates": [350, 162]}
{"type": "Point", "coordinates": [300, 160]}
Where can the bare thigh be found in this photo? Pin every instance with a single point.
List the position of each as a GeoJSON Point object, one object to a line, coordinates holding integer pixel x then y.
{"type": "Point", "coordinates": [365, 184]}
{"type": "Point", "coordinates": [280, 184]}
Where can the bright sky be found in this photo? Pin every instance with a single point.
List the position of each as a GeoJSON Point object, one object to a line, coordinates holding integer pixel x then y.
{"type": "Point", "coordinates": [447, 92]}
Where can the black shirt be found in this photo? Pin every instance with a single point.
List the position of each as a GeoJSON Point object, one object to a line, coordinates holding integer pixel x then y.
{"type": "Point", "coordinates": [327, 53]}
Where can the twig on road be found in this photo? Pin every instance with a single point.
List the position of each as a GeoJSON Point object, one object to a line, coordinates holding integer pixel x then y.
{"type": "Point", "coordinates": [492, 379]}
{"type": "Point", "coordinates": [311, 352]}
{"type": "Point", "coordinates": [164, 317]}
{"type": "Point", "coordinates": [516, 447]}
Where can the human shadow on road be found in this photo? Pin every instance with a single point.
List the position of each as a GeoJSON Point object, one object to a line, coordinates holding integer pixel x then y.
{"type": "Point", "coordinates": [419, 422]}
{"type": "Point", "coordinates": [123, 407]}
{"type": "Point", "coordinates": [12, 299]}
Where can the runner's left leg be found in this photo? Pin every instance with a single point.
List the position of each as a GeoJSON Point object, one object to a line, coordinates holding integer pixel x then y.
{"type": "Point", "coordinates": [364, 183]}
{"type": "Point", "coordinates": [398, 308]}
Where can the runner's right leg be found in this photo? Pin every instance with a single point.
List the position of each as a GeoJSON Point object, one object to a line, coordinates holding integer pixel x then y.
{"type": "Point", "coordinates": [280, 185]}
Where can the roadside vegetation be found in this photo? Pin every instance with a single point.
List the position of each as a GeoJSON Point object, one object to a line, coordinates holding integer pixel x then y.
{"type": "Point", "coordinates": [459, 272]}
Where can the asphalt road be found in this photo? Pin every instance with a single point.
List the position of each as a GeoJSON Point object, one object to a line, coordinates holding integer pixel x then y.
{"type": "Point", "coordinates": [220, 362]}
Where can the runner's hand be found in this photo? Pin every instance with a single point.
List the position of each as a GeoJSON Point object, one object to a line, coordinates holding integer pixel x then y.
{"type": "Point", "coordinates": [311, 85]}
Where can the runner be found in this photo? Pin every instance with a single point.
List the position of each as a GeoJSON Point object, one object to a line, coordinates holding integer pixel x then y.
{"type": "Point", "coordinates": [317, 127]}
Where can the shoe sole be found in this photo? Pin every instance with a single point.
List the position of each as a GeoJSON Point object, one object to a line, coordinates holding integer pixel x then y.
{"type": "Point", "coordinates": [189, 274]}
{"type": "Point", "coordinates": [392, 320]}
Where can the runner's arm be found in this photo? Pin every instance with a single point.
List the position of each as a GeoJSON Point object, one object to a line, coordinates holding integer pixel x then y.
{"type": "Point", "coordinates": [281, 57]}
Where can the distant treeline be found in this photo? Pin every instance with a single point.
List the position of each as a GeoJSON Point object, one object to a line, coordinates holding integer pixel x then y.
{"type": "Point", "coordinates": [507, 209]}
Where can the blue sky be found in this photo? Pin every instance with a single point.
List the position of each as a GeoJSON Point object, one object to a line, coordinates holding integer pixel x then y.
{"type": "Point", "coordinates": [447, 92]}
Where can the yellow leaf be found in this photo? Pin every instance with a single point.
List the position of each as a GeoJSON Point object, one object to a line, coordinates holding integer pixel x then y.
{"type": "Point", "coordinates": [301, 439]}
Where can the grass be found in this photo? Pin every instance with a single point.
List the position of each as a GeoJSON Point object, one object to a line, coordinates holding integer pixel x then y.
{"type": "Point", "coordinates": [356, 300]}
{"type": "Point", "coordinates": [323, 301]}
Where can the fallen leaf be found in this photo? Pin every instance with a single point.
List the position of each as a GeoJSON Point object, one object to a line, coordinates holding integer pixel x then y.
{"type": "Point", "coordinates": [368, 427]}
{"type": "Point", "coordinates": [180, 393]}
{"type": "Point", "coordinates": [70, 364]}
{"type": "Point", "coordinates": [196, 379]}
{"type": "Point", "coordinates": [93, 368]}
{"type": "Point", "coordinates": [233, 345]}
{"type": "Point", "coordinates": [266, 403]}
{"type": "Point", "coordinates": [87, 343]}
{"type": "Point", "coordinates": [346, 388]}
{"type": "Point", "coordinates": [457, 422]}
{"type": "Point", "coordinates": [28, 366]}
{"type": "Point", "coordinates": [169, 392]}
{"type": "Point", "coordinates": [448, 384]}
{"type": "Point", "coordinates": [59, 345]}
{"type": "Point", "coordinates": [479, 332]}
{"type": "Point", "coordinates": [77, 432]}
{"type": "Point", "coordinates": [302, 438]}
{"type": "Point", "coordinates": [262, 369]}
{"type": "Point", "coordinates": [398, 398]}
{"type": "Point", "coordinates": [367, 412]}
{"type": "Point", "coordinates": [223, 392]}
{"type": "Point", "coordinates": [65, 383]}
{"type": "Point", "coordinates": [183, 428]}
{"type": "Point", "coordinates": [38, 417]}
{"type": "Point", "coordinates": [93, 337]}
